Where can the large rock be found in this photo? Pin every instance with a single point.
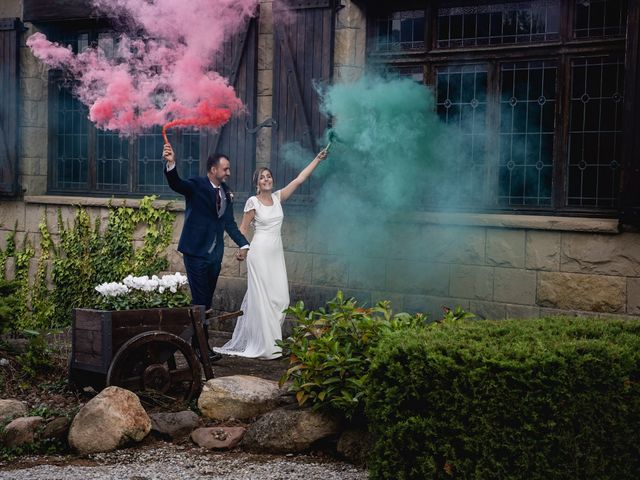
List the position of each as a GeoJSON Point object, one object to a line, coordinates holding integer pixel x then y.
{"type": "Point", "coordinates": [174, 425]}
{"type": "Point", "coordinates": [11, 409]}
{"type": "Point", "coordinates": [21, 431]}
{"type": "Point", "coordinates": [111, 419]}
{"type": "Point", "coordinates": [241, 397]}
{"type": "Point", "coordinates": [218, 438]}
{"type": "Point", "coordinates": [355, 445]}
{"type": "Point", "coordinates": [289, 430]}
{"type": "Point", "coordinates": [56, 428]}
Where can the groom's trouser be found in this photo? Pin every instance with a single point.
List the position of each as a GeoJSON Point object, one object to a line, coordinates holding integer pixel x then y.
{"type": "Point", "coordinates": [202, 274]}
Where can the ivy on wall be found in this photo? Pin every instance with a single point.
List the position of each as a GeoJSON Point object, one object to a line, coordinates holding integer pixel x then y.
{"type": "Point", "coordinates": [85, 255]}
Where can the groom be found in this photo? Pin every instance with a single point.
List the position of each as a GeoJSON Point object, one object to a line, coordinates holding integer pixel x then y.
{"type": "Point", "coordinates": [208, 213]}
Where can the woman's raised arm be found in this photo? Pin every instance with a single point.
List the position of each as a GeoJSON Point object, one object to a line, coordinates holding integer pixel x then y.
{"type": "Point", "coordinates": [287, 191]}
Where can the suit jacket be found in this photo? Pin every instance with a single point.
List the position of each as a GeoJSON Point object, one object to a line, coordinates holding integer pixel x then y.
{"type": "Point", "coordinates": [203, 231]}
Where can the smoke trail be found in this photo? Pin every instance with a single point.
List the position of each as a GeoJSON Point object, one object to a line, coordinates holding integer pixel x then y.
{"type": "Point", "coordinates": [391, 155]}
{"type": "Point", "coordinates": [161, 75]}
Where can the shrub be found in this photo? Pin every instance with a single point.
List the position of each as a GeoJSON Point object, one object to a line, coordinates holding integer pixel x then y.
{"type": "Point", "coordinates": [9, 305]}
{"type": "Point", "coordinates": [552, 398]}
{"type": "Point", "coordinates": [330, 351]}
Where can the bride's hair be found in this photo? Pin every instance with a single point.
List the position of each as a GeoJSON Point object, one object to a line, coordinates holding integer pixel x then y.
{"type": "Point", "coordinates": [256, 177]}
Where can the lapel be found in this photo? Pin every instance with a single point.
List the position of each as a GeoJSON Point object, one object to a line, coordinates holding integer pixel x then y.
{"type": "Point", "coordinates": [210, 195]}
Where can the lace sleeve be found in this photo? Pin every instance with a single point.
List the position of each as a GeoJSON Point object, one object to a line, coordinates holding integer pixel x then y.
{"type": "Point", "coordinates": [277, 194]}
{"type": "Point", "coordinates": [251, 204]}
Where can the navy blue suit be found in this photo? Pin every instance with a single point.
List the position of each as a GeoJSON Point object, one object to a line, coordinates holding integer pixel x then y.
{"type": "Point", "coordinates": [202, 238]}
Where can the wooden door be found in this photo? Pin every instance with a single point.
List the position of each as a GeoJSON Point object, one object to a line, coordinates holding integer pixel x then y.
{"type": "Point", "coordinates": [302, 60]}
{"type": "Point", "coordinates": [238, 62]}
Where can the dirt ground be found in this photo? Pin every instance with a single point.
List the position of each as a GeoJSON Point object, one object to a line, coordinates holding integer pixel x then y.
{"type": "Point", "coordinates": [49, 388]}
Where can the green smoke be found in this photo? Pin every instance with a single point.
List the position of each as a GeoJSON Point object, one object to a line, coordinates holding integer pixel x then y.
{"type": "Point", "coordinates": [390, 155]}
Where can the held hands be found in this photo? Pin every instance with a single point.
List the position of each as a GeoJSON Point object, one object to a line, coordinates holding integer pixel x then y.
{"type": "Point", "coordinates": [168, 155]}
{"type": "Point", "coordinates": [241, 254]}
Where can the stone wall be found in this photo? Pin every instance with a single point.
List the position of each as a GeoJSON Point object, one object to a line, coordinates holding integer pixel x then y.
{"type": "Point", "coordinates": [494, 265]}
{"type": "Point", "coordinates": [11, 9]}
{"type": "Point", "coordinates": [33, 119]}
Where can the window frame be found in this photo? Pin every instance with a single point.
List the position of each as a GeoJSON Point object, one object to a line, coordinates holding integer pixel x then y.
{"type": "Point", "coordinates": [93, 30]}
{"type": "Point", "coordinates": [561, 51]}
{"type": "Point", "coordinates": [241, 56]}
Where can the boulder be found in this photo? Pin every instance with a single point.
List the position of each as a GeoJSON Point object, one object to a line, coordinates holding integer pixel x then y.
{"type": "Point", "coordinates": [174, 425]}
{"type": "Point", "coordinates": [20, 431]}
{"type": "Point", "coordinates": [57, 427]}
{"type": "Point", "coordinates": [289, 430]}
{"type": "Point", "coordinates": [355, 445]}
{"type": "Point", "coordinates": [218, 438]}
{"type": "Point", "coordinates": [240, 396]}
{"type": "Point", "coordinates": [11, 409]}
{"type": "Point", "coordinates": [110, 420]}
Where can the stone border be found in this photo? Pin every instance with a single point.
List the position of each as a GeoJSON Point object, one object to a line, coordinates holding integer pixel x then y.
{"type": "Point", "coordinates": [500, 220]}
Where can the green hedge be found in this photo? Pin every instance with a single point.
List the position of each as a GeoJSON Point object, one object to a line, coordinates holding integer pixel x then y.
{"type": "Point", "coordinates": [546, 399]}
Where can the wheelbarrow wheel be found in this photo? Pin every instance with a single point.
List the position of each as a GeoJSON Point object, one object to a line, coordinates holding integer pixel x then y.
{"type": "Point", "coordinates": [157, 362]}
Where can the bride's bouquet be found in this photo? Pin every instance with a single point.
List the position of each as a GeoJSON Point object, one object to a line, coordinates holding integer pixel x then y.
{"type": "Point", "coordinates": [132, 292]}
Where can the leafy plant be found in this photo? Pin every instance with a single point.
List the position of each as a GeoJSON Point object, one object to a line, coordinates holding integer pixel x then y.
{"type": "Point", "coordinates": [37, 356]}
{"type": "Point", "coordinates": [455, 314]}
{"type": "Point", "coordinates": [330, 351]}
{"type": "Point", "coordinates": [85, 255]}
{"type": "Point", "coordinates": [9, 305]}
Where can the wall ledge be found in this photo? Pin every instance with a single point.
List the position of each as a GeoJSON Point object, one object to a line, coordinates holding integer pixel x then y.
{"type": "Point", "coordinates": [495, 220]}
{"type": "Point", "coordinates": [172, 205]}
{"type": "Point", "coordinates": [527, 222]}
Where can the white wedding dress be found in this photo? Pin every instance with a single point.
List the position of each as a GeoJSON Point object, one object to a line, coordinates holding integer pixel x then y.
{"type": "Point", "coordinates": [267, 294]}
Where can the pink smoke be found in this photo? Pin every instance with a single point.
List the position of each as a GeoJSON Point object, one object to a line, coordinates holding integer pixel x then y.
{"type": "Point", "coordinates": [166, 75]}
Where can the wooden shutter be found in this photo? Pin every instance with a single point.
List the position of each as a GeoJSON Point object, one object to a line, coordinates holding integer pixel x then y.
{"type": "Point", "coordinates": [302, 57]}
{"type": "Point", "coordinates": [239, 63]}
{"type": "Point", "coordinates": [8, 105]}
{"type": "Point", "coordinates": [630, 197]}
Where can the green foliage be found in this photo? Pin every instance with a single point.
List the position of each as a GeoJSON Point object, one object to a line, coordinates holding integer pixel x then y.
{"type": "Point", "coordinates": [84, 256]}
{"type": "Point", "coordinates": [9, 305]}
{"type": "Point", "coordinates": [554, 398]}
{"type": "Point", "coordinates": [330, 351]}
{"type": "Point", "coordinates": [37, 357]}
{"type": "Point", "coordinates": [9, 251]}
{"type": "Point", "coordinates": [455, 314]}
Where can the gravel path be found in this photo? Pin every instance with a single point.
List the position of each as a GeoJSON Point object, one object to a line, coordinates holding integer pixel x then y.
{"type": "Point", "coordinates": [167, 461]}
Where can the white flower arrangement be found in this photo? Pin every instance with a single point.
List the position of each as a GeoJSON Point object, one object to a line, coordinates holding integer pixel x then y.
{"type": "Point", "coordinates": [143, 292]}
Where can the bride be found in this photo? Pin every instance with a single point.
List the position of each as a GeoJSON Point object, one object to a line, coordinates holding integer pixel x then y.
{"type": "Point", "coordinates": [267, 294]}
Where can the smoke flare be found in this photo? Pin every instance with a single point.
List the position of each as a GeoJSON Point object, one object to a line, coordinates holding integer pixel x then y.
{"type": "Point", "coordinates": [162, 77]}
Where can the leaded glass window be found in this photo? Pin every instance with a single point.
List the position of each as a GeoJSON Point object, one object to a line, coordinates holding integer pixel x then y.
{"type": "Point", "coordinates": [499, 23]}
{"type": "Point", "coordinates": [88, 159]}
{"type": "Point", "coordinates": [595, 131]}
{"type": "Point", "coordinates": [534, 89]}
{"type": "Point", "coordinates": [112, 155]}
{"type": "Point", "coordinates": [600, 18]}
{"type": "Point", "coordinates": [402, 30]}
{"type": "Point", "coordinates": [461, 100]}
{"type": "Point", "coordinates": [150, 165]}
{"type": "Point", "coordinates": [527, 126]}
{"type": "Point", "coordinates": [71, 157]}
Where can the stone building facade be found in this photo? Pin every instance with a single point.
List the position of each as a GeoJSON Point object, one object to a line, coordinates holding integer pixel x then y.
{"type": "Point", "coordinates": [497, 265]}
